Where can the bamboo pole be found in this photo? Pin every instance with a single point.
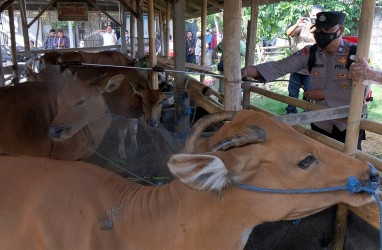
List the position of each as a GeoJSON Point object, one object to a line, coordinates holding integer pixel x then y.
{"type": "Point", "coordinates": [231, 55]}
{"type": "Point", "coordinates": [2, 80]}
{"type": "Point", "coordinates": [132, 30]}
{"type": "Point", "coordinates": [357, 95]}
{"type": "Point", "coordinates": [15, 67]}
{"type": "Point", "coordinates": [168, 18]}
{"type": "Point", "coordinates": [161, 32]}
{"type": "Point", "coordinates": [140, 29]}
{"type": "Point", "coordinates": [203, 33]}
{"type": "Point", "coordinates": [152, 51]}
{"type": "Point", "coordinates": [123, 27]}
{"type": "Point", "coordinates": [179, 10]}
{"type": "Point", "coordinates": [250, 48]}
{"type": "Point", "coordinates": [24, 26]}
{"type": "Point", "coordinates": [252, 34]}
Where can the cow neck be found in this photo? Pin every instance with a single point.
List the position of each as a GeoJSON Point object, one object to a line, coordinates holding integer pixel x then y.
{"type": "Point", "coordinates": [198, 213]}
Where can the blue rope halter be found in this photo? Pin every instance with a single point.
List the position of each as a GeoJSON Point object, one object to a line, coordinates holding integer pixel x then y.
{"type": "Point", "coordinates": [353, 186]}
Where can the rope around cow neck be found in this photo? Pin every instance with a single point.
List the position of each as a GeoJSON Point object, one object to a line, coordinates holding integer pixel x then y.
{"type": "Point", "coordinates": [353, 186]}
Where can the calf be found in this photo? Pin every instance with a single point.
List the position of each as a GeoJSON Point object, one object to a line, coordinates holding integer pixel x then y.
{"type": "Point", "coordinates": [131, 100]}
{"type": "Point", "coordinates": [27, 111]}
{"type": "Point", "coordinates": [48, 204]}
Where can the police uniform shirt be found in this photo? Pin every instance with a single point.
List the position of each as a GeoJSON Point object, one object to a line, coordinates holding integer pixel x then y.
{"type": "Point", "coordinates": [329, 73]}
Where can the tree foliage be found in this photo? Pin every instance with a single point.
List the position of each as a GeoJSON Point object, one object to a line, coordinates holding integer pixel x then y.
{"type": "Point", "coordinates": [274, 19]}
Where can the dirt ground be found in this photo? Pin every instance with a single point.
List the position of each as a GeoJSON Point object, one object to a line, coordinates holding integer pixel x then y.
{"type": "Point", "coordinates": [373, 144]}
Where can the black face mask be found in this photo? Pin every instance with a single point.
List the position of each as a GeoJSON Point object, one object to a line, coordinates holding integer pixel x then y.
{"type": "Point", "coordinates": [323, 39]}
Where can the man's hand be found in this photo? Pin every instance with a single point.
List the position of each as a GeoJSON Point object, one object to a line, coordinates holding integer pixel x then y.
{"type": "Point", "coordinates": [315, 95]}
{"type": "Point", "coordinates": [360, 71]}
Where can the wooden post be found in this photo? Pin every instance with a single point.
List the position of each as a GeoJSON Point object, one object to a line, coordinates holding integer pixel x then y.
{"type": "Point", "coordinates": [161, 33]}
{"type": "Point", "coordinates": [24, 26]}
{"type": "Point", "coordinates": [2, 80]}
{"type": "Point", "coordinates": [204, 28]}
{"type": "Point", "coordinates": [132, 29]}
{"type": "Point", "coordinates": [357, 95]}
{"type": "Point", "coordinates": [250, 49]}
{"type": "Point", "coordinates": [13, 45]}
{"type": "Point", "coordinates": [152, 47]}
{"type": "Point", "coordinates": [181, 104]}
{"type": "Point", "coordinates": [252, 34]}
{"type": "Point", "coordinates": [140, 29]}
{"type": "Point", "coordinates": [231, 55]}
{"type": "Point", "coordinates": [168, 18]}
{"type": "Point", "coordinates": [123, 28]}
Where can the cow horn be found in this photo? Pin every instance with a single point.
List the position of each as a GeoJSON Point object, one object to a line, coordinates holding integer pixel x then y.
{"type": "Point", "coordinates": [202, 124]}
{"type": "Point", "coordinates": [252, 134]}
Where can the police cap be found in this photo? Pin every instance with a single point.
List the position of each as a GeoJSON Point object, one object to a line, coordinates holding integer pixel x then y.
{"type": "Point", "coordinates": [328, 19]}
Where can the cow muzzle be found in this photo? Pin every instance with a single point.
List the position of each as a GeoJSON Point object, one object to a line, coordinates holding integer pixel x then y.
{"type": "Point", "coordinates": [59, 132]}
{"type": "Point", "coordinates": [152, 122]}
{"type": "Point", "coordinates": [374, 178]}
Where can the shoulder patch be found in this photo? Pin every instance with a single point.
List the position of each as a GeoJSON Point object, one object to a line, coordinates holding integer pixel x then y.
{"type": "Point", "coordinates": [342, 59]}
{"type": "Point", "coordinates": [303, 52]}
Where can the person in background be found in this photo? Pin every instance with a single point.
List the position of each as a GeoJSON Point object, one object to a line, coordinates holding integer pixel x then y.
{"type": "Point", "coordinates": [61, 41]}
{"type": "Point", "coordinates": [208, 38]}
{"type": "Point", "coordinates": [127, 38]}
{"type": "Point", "coordinates": [330, 78]}
{"type": "Point", "coordinates": [361, 71]}
{"type": "Point", "coordinates": [302, 37]}
{"type": "Point", "coordinates": [198, 47]}
{"type": "Point", "coordinates": [82, 43]}
{"type": "Point", "coordinates": [31, 44]}
{"type": "Point", "coordinates": [49, 40]}
{"type": "Point", "coordinates": [109, 37]}
{"type": "Point", "coordinates": [214, 44]}
{"type": "Point", "coordinates": [190, 48]}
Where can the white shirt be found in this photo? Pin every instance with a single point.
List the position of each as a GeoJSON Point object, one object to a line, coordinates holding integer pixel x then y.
{"type": "Point", "coordinates": [108, 38]}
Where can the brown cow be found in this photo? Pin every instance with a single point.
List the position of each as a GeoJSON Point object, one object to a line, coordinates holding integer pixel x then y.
{"type": "Point", "coordinates": [132, 100]}
{"type": "Point", "coordinates": [50, 204]}
{"type": "Point", "coordinates": [27, 111]}
{"type": "Point", "coordinates": [103, 57]}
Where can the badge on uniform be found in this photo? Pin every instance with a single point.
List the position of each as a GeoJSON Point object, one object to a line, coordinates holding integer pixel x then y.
{"type": "Point", "coordinates": [342, 75]}
{"type": "Point", "coordinates": [342, 59]}
{"type": "Point", "coordinates": [344, 85]}
{"type": "Point", "coordinates": [302, 52]}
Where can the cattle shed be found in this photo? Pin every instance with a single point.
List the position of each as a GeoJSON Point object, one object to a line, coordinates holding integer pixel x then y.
{"type": "Point", "coordinates": [343, 227]}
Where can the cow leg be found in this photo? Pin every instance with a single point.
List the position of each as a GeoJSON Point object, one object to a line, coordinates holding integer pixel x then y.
{"type": "Point", "coordinates": [133, 131]}
{"type": "Point", "coordinates": [130, 125]}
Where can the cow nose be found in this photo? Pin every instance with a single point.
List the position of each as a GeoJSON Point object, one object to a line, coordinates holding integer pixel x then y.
{"type": "Point", "coordinates": [153, 123]}
{"type": "Point", "coordinates": [55, 131]}
{"type": "Point", "coordinates": [373, 174]}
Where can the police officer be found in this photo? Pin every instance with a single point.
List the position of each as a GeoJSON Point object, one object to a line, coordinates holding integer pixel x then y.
{"type": "Point", "coordinates": [329, 74]}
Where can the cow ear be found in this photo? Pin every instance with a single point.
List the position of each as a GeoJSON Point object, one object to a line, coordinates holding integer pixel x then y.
{"type": "Point", "coordinates": [137, 90]}
{"type": "Point", "coordinates": [113, 83]}
{"type": "Point", "coordinates": [200, 172]}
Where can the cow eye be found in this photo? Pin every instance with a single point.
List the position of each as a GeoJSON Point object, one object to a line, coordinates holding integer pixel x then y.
{"type": "Point", "coordinates": [80, 103]}
{"type": "Point", "coordinates": [307, 162]}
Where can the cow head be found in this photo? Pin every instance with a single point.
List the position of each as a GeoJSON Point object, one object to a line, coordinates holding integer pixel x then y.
{"type": "Point", "coordinates": [255, 150]}
{"type": "Point", "coordinates": [80, 102]}
{"type": "Point", "coordinates": [151, 104]}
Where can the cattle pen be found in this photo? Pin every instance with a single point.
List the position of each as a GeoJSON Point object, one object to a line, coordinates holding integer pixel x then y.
{"type": "Point", "coordinates": [339, 227]}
